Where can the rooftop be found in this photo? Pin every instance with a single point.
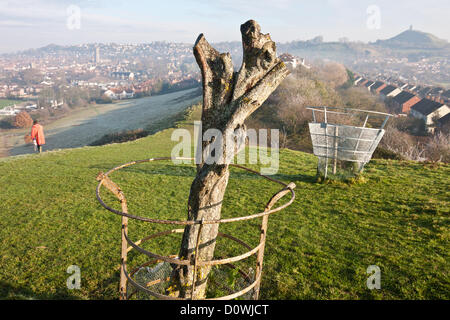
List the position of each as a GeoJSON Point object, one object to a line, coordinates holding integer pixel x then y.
{"type": "Point", "coordinates": [388, 90]}
{"type": "Point", "coordinates": [377, 85]}
{"type": "Point", "coordinates": [426, 106]}
{"type": "Point", "coordinates": [444, 120]}
{"type": "Point", "coordinates": [403, 97]}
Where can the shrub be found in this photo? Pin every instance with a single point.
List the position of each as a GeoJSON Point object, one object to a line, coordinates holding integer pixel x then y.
{"type": "Point", "coordinates": [438, 148]}
{"type": "Point", "coordinates": [7, 122]}
{"type": "Point", "coordinates": [382, 153]}
{"type": "Point", "coordinates": [23, 120]}
{"type": "Point", "coordinates": [119, 137]}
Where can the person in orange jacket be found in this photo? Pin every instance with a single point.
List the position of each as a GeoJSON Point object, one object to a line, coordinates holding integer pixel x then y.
{"type": "Point", "coordinates": [37, 135]}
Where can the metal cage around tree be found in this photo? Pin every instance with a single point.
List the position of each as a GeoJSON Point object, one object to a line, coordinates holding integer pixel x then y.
{"type": "Point", "coordinates": [345, 139]}
{"type": "Point", "coordinates": [151, 279]}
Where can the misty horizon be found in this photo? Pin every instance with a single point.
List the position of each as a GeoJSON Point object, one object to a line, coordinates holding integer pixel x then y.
{"type": "Point", "coordinates": [38, 23]}
{"type": "Point", "coordinates": [186, 43]}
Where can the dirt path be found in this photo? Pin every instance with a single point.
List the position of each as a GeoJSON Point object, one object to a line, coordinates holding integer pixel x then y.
{"type": "Point", "coordinates": [86, 126]}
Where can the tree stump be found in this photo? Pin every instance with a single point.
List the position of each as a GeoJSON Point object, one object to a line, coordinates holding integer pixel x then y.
{"type": "Point", "coordinates": [228, 99]}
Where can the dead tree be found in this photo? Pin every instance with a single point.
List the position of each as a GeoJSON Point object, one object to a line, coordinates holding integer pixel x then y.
{"type": "Point", "coordinates": [228, 99]}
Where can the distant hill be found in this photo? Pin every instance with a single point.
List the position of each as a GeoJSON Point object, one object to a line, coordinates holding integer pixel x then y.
{"type": "Point", "coordinates": [413, 39]}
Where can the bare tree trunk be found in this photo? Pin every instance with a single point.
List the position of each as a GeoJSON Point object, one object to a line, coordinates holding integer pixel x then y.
{"type": "Point", "coordinates": [228, 99]}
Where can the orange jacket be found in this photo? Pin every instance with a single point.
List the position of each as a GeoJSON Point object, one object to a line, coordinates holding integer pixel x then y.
{"type": "Point", "coordinates": [37, 132]}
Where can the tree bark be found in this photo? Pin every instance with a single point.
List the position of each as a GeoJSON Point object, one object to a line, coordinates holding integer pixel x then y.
{"type": "Point", "coordinates": [228, 99]}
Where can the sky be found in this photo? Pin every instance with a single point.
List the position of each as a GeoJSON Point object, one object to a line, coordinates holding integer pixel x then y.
{"type": "Point", "coordinates": [28, 24]}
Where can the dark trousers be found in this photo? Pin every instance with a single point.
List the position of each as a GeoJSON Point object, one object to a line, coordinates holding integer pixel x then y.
{"type": "Point", "coordinates": [39, 148]}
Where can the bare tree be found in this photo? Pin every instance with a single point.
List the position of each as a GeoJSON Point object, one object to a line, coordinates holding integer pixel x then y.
{"type": "Point", "coordinates": [438, 148]}
{"type": "Point", "coordinates": [228, 99]}
{"type": "Point", "coordinates": [332, 73]}
{"type": "Point", "coordinates": [402, 143]}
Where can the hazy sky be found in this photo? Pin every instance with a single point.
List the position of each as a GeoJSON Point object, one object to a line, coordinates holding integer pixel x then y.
{"type": "Point", "coordinates": [36, 23]}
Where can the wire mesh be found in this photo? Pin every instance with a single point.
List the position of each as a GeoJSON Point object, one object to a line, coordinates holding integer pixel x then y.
{"type": "Point", "coordinates": [344, 149]}
{"type": "Point", "coordinates": [223, 280]}
{"type": "Point", "coordinates": [235, 274]}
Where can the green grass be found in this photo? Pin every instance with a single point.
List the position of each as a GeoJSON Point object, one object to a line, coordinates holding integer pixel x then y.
{"type": "Point", "coordinates": [319, 248]}
{"type": "Point", "coordinates": [6, 103]}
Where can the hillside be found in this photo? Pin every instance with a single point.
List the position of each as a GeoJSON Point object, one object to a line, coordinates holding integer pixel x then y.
{"type": "Point", "coordinates": [413, 39]}
{"type": "Point", "coordinates": [84, 126]}
{"type": "Point", "coordinates": [345, 52]}
{"type": "Point", "coordinates": [319, 248]}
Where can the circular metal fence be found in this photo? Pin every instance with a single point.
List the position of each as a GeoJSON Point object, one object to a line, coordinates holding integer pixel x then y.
{"type": "Point", "coordinates": [151, 283]}
{"type": "Point", "coordinates": [353, 142]}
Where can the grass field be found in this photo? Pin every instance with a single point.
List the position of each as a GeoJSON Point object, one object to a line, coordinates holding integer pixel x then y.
{"type": "Point", "coordinates": [6, 103]}
{"type": "Point", "coordinates": [319, 248]}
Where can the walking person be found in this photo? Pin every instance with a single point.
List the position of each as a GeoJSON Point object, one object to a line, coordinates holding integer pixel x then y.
{"type": "Point", "coordinates": [37, 135]}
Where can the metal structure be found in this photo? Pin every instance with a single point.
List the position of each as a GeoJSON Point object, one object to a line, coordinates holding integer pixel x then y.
{"type": "Point", "coordinates": [348, 143]}
{"type": "Point", "coordinates": [130, 285]}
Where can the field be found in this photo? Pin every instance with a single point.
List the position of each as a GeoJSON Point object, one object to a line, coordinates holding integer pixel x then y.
{"type": "Point", "coordinates": [86, 125]}
{"type": "Point", "coordinates": [396, 217]}
{"type": "Point", "coordinates": [6, 103]}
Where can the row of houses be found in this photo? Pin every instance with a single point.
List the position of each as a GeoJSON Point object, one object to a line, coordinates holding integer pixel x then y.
{"type": "Point", "coordinates": [16, 109]}
{"type": "Point", "coordinates": [423, 91]}
{"type": "Point", "coordinates": [27, 106]}
{"type": "Point", "coordinates": [432, 110]}
{"type": "Point", "coordinates": [293, 62]}
{"type": "Point", "coordinates": [17, 91]}
{"type": "Point", "coordinates": [119, 93]}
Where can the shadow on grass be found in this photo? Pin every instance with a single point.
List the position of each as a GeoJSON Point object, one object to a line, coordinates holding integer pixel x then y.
{"type": "Point", "coordinates": [105, 287]}
{"type": "Point", "coordinates": [166, 170]}
{"type": "Point", "coordinates": [297, 178]}
{"type": "Point", "coordinates": [9, 291]}
{"type": "Point", "coordinates": [188, 170]}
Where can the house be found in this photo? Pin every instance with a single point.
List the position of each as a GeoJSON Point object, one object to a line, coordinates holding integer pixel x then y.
{"type": "Point", "coordinates": [110, 94]}
{"type": "Point", "coordinates": [363, 82]}
{"type": "Point", "coordinates": [125, 94]}
{"type": "Point", "coordinates": [402, 85]}
{"type": "Point", "coordinates": [389, 92]}
{"type": "Point", "coordinates": [446, 97]}
{"type": "Point", "coordinates": [9, 111]}
{"type": "Point", "coordinates": [55, 103]}
{"type": "Point", "coordinates": [369, 84]}
{"type": "Point", "coordinates": [357, 80]}
{"type": "Point", "coordinates": [378, 86]}
{"type": "Point", "coordinates": [417, 89]}
{"type": "Point", "coordinates": [423, 92]}
{"type": "Point", "coordinates": [429, 111]}
{"type": "Point", "coordinates": [303, 63]}
{"type": "Point", "coordinates": [410, 87]}
{"type": "Point", "coordinates": [31, 107]}
{"type": "Point", "coordinates": [403, 102]}
{"type": "Point", "coordinates": [122, 75]}
{"type": "Point", "coordinates": [446, 94]}
{"type": "Point", "coordinates": [293, 62]}
{"type": "Point", "coordinates": [129, 93]}
{"type": "Point", "coordinates": [443, 124]}
{"type": "Point", "coordinates": [436, 92]}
